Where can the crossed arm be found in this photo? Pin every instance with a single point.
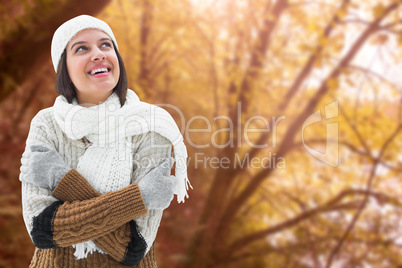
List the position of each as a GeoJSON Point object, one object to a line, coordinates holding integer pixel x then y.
{"type": "Point", "coordinates": [121, 241]}
{"type": "Point", "coordinates": [80, 214]}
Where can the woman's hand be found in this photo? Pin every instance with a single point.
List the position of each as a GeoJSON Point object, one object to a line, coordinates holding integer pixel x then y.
{"type": "Point", "coordinates": [157, 188]}
{"type": "Point", "coordinates": [43, 166]}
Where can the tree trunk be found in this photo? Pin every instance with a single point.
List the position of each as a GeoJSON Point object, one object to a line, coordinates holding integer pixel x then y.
{"type": "Point", "coordinates": [145, 31]}
{"type": "Point", "coordinates": [26, 48]}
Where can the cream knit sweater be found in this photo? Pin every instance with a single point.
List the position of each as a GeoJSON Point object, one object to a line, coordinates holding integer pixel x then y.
{"type": "Point", "coordinates": [46, 216]}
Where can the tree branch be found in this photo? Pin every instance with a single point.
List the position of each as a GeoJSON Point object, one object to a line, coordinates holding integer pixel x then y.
{"type": "Point", "coordinates": [351, 147]}
{"type": "Point", "coordinates": [301, 246]}
{"type": "Point", "coordinates": [303, 73]}
{"type": "Point", "coordinates": [257, 60]}
{"type": "Point", "coordinates": [363, 204]}
{"type": "Point", "coordinates": [371, 73]}
{"type": "Point", "coordinates": [331, 205]}
{"type": "Point", "coordinates": [236, 204]}
{"type": "Point", "coordinates": [313, 57]}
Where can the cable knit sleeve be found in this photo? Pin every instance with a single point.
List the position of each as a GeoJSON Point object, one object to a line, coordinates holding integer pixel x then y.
{"type": "Point", "coordinates": [52, 223]}
{"type": "Point", "coordinates": [53, 220]}
{"type": "Point", "coordinates": [119, 244]}
{"type": "Point", "coordinates": [123, 244]}
{"type": "Point", "coordinates": [65, 224]}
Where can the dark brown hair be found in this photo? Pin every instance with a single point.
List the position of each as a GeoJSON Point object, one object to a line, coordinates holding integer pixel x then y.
{"type": "Point", "coordinates": [66, 88]}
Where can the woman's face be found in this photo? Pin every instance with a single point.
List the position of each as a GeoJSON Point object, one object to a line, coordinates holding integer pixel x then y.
{"type": "Point", "coordinates": [92, 65]}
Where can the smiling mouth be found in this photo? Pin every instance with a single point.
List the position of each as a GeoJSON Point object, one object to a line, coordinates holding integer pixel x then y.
{"type": "Point", "coordinates": [99, 71]}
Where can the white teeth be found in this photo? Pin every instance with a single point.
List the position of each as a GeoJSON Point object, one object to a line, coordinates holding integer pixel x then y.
{"type": "Point", "coordinates": [99, 70]}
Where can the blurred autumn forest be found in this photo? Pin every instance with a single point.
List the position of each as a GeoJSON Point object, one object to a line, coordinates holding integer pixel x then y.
{"type": "Point", "coordinates": [312, 85]}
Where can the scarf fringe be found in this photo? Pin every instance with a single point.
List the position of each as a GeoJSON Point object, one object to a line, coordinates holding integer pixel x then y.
{"type": "Point", "coordinates": [183, 183]}
{"type": "Point", "coordinates": [83, 249]}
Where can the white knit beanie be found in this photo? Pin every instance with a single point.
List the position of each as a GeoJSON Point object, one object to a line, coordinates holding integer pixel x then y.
{"type": "Point", "coordinates": [70, 28]}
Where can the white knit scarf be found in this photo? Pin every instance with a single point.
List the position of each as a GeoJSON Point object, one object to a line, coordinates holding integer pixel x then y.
{"type": "Point", "coordinates": [107, 163]}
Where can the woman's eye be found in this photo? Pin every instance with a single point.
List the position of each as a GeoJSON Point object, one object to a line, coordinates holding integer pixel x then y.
{"type": "Point", "coordinates": [81, 48]}
{"type": "Point", "coordinates": [106, 44]}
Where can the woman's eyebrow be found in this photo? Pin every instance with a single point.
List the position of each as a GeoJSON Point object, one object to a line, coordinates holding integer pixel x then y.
{"type": "Point", "coordinates": [77, 43]}
{"type": "Point", "coordinates": [105, 38]}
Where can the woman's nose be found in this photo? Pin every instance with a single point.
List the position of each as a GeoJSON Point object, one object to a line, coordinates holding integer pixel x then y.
{"type": "Point", "coordinates": [98, 55]}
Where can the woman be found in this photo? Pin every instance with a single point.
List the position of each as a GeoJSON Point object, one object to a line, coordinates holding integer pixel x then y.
{"type": "Point", "coordinates": [96, 169]}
